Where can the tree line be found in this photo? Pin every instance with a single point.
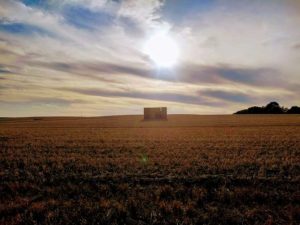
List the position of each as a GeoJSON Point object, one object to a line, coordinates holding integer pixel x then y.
{"type": "Point", "coordinates": [271, 108]}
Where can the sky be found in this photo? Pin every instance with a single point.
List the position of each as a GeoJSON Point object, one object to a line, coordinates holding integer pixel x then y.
{"type": "Point", "coordinates": [87, 57]}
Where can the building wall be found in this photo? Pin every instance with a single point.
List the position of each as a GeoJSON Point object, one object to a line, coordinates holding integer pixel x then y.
{"type": "Point", "coordinates": [164, 112]}
{"type": "Point", "coordinates": [159, 113]}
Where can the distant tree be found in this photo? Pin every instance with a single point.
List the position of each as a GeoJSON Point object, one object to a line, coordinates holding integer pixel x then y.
{"type": "Point", "coordinates": [271, 108]}
{"type": "Point", "coordinates": [272, 105]}
{"type": "Point", "coordinates": [255, 110]}
{"type": "Point", "coordinates": [294, 110]}
{"type": "Point", "coordinates": [244, 111]}
{"type": "Point", "coordinates": [251, 110]}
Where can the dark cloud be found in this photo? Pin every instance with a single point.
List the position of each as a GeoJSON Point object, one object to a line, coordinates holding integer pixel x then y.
{"type": "Point", "coordinates": [130, 26]}
{"type": "Point", "coordinates": [228, 96]}
{"type": "Point", "coordinates": [84, 70]}
{"type": "Point", "coordinates": [188, 73]}
{"type": "Point", "coordinates": [6, 51]}
{"type": "Point", "coordinates": [46, 101]}
{"type": "Point", "coordinates": [160, 96]}
{"type": "Point", "coordinates": [296, 46]}
{"type": "Point", "coordinates": [10, 69]}
{"type": "Point", "coordinates": [229, 74]}
{"type": "Point", "coordinates": [57, 101]}
{"type": "Point", "coordinates": [257, 76]}
{"type": "Point", "coordinates": [4, 70]}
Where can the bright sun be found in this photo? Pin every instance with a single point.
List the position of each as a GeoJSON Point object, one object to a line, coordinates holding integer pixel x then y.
{"type": "Point", "coordinates": [162, 49]}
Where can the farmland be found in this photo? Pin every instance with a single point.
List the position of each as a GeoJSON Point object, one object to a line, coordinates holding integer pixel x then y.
{"type": "Point", "coordinates": [233, 169]}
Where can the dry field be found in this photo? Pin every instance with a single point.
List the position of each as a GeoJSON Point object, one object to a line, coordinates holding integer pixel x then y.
{"type": "Point", "coordinates": [235, 169]}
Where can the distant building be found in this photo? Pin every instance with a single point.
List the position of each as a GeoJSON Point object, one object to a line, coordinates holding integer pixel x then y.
{"type": "Point", "coordinates": [157, 113]}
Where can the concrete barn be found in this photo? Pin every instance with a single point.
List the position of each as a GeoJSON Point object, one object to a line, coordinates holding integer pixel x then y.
{"type": "Point", "coordinates": [157, 113]}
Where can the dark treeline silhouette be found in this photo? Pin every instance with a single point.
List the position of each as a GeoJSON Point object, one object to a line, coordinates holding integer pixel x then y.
{"type": "Point", "coordinates": [271, 108]}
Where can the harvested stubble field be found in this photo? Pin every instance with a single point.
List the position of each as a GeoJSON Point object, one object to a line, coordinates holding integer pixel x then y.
{"type": "Point", "coordinates": [235, 169]}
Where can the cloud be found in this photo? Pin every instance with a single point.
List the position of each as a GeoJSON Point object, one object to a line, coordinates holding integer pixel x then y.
{"type": "Point", "coordinates": [223, 73]}
{"type": "Point", "coordinates": [39, 106]}
{"type": "Point", "coordinates": [6, 51]}
{"type": "Point", "coordinates": [89, 13]}
{"type": "Point", "coordinates": [250, 76]}
{"type": "Point", "coordinates": [46, 101]}
{"type": "Point", "coordinates": [58, 4]}
{"type": "Point", "coordinates": [145, 11]}
{"type": "Point", "coordinates": [177, 11]}
{"type": "Point", "coordinates": [159, 96]}
{"type": "Point", "coordinates": [9, 69]}
{"type": "Point", "coordinates": [296, 46]}
{"type": "Point", "coordinates": [21, 28]}
{"type": "Point", "coordinates": [85, 18]}
{"type": "Point", "coordinates": [92, 70]}
{"type": "Point", "coordinates": [4, 70]}
{"type": "Point", "coordinates": [49, 47]}
{"type": "Point", "coordinates": [231, 96]}
{"type": "Point", "coordinates": [188, 73]}
{"type": "Point", "coordinates": [36, 20]}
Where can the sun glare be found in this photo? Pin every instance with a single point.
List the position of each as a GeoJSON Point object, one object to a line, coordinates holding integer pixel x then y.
{"type": "Point", "coordinates": [162, 49]}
